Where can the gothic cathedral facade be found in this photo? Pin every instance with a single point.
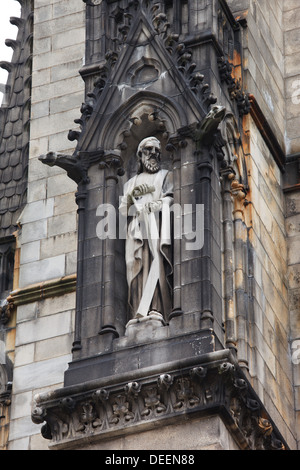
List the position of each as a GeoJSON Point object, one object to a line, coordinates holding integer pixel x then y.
{"type": "Point", "coordinates": [149, 226]}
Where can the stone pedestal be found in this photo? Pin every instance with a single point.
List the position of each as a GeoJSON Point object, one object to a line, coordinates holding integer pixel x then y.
{"type": "Point", "coordinates": [176, 395]}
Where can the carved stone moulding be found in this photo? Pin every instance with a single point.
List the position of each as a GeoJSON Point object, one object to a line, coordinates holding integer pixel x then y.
{"type": "Point", "coordinates": [5, 385]}
{"type": "Point", "coordinates": [187, 389]}
{"type": "Point", "coordinates": [5, 313]}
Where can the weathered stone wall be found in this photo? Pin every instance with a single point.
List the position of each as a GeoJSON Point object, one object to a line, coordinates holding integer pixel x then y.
{"type": "Point", "coordinates": [271, 48]}
{"type": "Point", "coordinates": [291, 16]}
{"type": "Point", "coordinates": [293, 240]}
{"type": "Point", "coordinates": [48, 242]}
{"type": "Point", "coordinates": [263, 43]}
{"type": "Point", "coordinates": [291, 21]}
{"type": "Point", "coordinates": [270, 364]}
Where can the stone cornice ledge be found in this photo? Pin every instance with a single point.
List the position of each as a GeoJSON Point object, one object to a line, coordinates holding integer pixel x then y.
{"type": "Point", "coordinates": [135, 401]}
{"type": "Point", "coordinates": [42, 290]}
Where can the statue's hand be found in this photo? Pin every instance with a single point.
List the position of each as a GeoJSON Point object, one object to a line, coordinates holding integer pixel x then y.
{"type": "Point", "coordinates": [154, 206]}
{"type": "Point", "coordinates": [129, 200]}
{"type": "Point", "coordinates": [141, 190]}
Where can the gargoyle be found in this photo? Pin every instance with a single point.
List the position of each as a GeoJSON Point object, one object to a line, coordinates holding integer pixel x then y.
{"type": "Point", "coordinates": [74, 166]}
{"type": "Point", "coordinates": [204, 132]}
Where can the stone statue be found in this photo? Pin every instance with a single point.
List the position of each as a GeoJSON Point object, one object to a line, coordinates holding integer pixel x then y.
{"type": "Point", "coordinates": [146, 202]}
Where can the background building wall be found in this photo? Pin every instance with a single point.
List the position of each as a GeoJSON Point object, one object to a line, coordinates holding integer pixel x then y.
{"type": "Point", "coordinates": [263, 42]}
{"type": "Point", "coordinates": [48, 224]}
{"type": "Point", "coordinates": [270, 363]}
{"type": "Point", "coordinates": [271, 48]}
{"type": "Point", "coordinates": [291, 16]}
{"type": "Point", "coordinates": [290, 21]}
{"type": "Point", "coordinates": [293, 228]}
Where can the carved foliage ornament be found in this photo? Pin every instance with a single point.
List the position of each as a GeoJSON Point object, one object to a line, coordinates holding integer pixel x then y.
{"type": "Point", "coordinates": [236, 93]}
{"type": "Point", "coordinates": [180, 53]}
{"type": "Point", "coordinates": [198, 389]}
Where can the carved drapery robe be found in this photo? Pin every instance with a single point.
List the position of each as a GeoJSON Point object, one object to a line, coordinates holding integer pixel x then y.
{"type": "Point", "coordinates": [149, 244]}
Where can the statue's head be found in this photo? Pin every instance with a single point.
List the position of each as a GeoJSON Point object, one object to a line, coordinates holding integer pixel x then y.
{"type": "Point", "coordinates": [149, 155]}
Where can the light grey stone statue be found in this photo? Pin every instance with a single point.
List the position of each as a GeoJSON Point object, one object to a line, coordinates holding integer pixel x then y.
{"type": "Point", "coordinates": [146, 202]}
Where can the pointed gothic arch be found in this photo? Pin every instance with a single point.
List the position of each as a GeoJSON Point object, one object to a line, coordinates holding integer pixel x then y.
{"type": "Point", "coordinates": [162, 115]}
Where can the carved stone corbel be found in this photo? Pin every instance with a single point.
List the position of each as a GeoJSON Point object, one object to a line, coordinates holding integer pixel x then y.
{"type": "Point", "coordinates": [218, 387]}
{"type": "Point", "coordinates": [132, 389]}
{"type": "Point", "coordinates": [152, 402]}
{"type": "Point", "coordinates": [5, 385]}
{"type": "Point", "coordinates": [121, 410]}
{"type": "Point", "coordinates": [185, 394]}
{"type": "Point", "coordinates": [5, 312]}
{"type": "Point", "coordinates": [113, 164]}
{"type": "Point", "coordinates": [234, 86]}
{"type": "Point", "coordinates": [205, 133]}
{"type": "Point", "coordinates": [239, 197]}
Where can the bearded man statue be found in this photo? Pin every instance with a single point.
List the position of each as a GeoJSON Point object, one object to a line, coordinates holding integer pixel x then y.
{"type": "Point", "coordinates": [146, 202]}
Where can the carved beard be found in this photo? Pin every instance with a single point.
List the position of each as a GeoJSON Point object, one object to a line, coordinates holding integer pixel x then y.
{"type": "Point", "coordinates": [152, 165]}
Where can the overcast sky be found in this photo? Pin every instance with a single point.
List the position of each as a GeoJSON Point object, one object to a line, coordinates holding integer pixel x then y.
{"type": "Point", "coordinates": [8, 8]}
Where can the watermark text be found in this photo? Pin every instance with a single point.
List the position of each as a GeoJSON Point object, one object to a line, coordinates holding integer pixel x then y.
{"type": "Point", "coordinates": [175, 221]}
